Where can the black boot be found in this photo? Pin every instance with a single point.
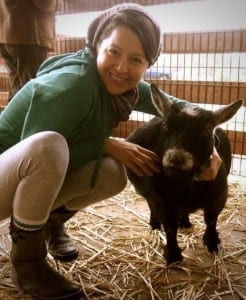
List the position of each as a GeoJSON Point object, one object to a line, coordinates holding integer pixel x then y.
{"type": "Point", "coordinates": [59, 243]}
{"type": "Point", "coordinates": [32, 273]}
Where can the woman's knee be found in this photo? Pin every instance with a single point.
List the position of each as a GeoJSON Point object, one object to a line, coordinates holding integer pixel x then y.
{"type": "Point", "coordinates": [52, 145]}
{"type": "Point", "coordinates": [49, 150]}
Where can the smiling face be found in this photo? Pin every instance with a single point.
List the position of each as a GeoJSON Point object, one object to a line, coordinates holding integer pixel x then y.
{"type": "Point", "coordinates": [121, 60]}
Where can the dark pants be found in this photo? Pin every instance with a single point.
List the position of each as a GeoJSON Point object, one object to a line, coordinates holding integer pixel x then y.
{"type": "Point", "coordinates": [22, 63]}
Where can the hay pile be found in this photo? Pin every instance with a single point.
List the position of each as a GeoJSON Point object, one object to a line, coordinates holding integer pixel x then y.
{"type": "Point", "coordinates": [121, 258]}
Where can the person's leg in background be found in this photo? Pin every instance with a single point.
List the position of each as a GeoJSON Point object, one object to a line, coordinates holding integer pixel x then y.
{"type": "Point", "coordinates": [22, 63]}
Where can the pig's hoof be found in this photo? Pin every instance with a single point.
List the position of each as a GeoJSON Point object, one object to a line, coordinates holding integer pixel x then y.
{"type": "Point", "coordinates": [173, 256]}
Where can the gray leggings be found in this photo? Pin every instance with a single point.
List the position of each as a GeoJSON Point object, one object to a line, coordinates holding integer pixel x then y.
{"type": "Point", "coordinates": [33, 179]}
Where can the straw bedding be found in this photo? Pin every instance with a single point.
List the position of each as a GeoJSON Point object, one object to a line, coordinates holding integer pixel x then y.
{"type": "Point", "coordinates": [121, 258]}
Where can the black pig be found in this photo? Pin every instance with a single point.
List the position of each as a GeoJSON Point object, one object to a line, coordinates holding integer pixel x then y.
{"type": "Point", "coordinates": [184, 139]}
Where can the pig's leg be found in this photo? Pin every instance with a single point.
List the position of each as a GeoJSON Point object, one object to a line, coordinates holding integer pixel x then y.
{"type": "Point", "coordinates": [211, 236]}
{"type": "Point", "coordinates": [172, 252]}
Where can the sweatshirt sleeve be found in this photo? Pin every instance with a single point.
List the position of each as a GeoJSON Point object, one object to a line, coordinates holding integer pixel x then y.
{"type": "Point", "coordinates": [57, 105]}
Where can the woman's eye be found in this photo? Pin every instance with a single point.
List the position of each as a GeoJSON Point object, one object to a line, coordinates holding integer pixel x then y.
{"type": "Point", "coordinates": [136, 60]}
{"type": "Point", "coordinates": [112, 51]}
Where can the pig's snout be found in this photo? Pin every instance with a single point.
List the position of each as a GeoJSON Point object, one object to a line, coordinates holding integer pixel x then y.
{"type": "Point", "coordinates": [177, 161]}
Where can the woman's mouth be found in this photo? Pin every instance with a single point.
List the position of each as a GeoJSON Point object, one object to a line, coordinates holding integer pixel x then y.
{"type": "Point", "coordinates": [117, 78]}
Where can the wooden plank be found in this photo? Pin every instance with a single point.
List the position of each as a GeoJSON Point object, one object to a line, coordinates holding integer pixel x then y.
{"type": "Point", "coordinates": [3, 99]}
{"type": "Point", "coordinates": [4, 82]}
{"type": "Point", "coordinates": [205, 42]}
{"type": "Point", "coordinates": [186, 43]}
{"type": "Point", "coordinates": [196, 42]}
{"type": "Point", "coordinates": [125, 128]}
{"type": "Point", "coordinates": [68, 45]}
{"type": "Point", "coordinates": [75, 6]}
{"type": "Point", "coordinates": [210, 92]}
{"type": "Point", "coordinates": [238, 142]}
{"type": "Point", "coordinates": [237, 138]}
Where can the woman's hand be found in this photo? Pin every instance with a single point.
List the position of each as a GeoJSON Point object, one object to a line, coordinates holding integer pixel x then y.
{"type": "Point", "coordinates": [211, 171]}
{"type": "Point", "coordinates": [138, 159]}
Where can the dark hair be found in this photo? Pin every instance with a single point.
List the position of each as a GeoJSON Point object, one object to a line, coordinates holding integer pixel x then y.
{"type": "Point", "coordinates": [133, 17]}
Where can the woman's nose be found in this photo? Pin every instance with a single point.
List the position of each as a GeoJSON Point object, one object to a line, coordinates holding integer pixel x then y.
{"type": "Point", "coordinates": [122, 65]}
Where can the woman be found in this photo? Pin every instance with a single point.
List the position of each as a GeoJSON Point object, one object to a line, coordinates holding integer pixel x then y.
{"type": "Point", "coordinates": [57, 154]}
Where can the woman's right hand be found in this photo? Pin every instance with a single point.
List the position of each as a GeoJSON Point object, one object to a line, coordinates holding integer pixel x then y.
{"type": "Point", "coordinates": [138, 159]}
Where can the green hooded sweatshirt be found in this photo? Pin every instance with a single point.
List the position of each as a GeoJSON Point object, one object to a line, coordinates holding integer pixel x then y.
{"type": "Point", "coordinates": [67, 97]}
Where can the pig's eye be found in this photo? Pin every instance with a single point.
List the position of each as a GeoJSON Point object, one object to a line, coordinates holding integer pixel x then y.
{"type": "Point", "coordinates": [207, 131]}
{"type": "Point", "coordinates": [164, 125]}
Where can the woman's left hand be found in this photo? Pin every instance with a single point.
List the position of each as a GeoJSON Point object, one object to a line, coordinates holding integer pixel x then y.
{"type": "Point", "coordinates": [140, 160]}
{"type": "Point", "coordinates": [211, 170]}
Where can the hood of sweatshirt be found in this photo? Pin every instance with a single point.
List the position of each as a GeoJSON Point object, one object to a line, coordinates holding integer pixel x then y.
{"type": "Point", "coordinates": [82, 57]}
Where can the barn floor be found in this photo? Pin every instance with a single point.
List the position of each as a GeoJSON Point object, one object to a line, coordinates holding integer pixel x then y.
{"type": "Point", "coordinates": [121, 258]}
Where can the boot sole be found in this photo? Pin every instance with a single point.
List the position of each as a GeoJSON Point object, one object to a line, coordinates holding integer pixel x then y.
{"type": "Point", "coordinates": [66, 257]}
{"type": "Point", "coordinates": [76, 296]}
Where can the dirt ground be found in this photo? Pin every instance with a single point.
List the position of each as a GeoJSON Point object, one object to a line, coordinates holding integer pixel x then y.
{"type": "Point", "coordinates": [121, 258]}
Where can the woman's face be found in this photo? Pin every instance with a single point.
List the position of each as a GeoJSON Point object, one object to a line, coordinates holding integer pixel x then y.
{"type": "Point", "coordinates": [121, 61]}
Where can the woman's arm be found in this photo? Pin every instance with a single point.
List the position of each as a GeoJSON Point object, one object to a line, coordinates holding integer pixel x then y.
{"type": "Point", "coordinates": [211, 171]}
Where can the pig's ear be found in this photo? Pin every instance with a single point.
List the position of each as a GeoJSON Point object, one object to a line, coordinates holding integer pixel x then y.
{"type": "Point", "coordinates": [160, 101]}
{"type": "Point", "coordinates": [225, 113]}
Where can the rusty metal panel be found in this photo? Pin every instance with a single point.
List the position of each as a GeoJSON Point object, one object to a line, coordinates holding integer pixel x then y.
{"type": "Point", "coordinates": [209, 92]}
{"type": "Point", "coordinates": [66, 45]}
{"type": "Point", "coordinates": [237, 138]}
{"type": "Point", "coordinates": [205, 42]}
{"type": "Point", "coordinates": [237, 141]}
{"type": "Point", "coordinates": [72, 6]}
